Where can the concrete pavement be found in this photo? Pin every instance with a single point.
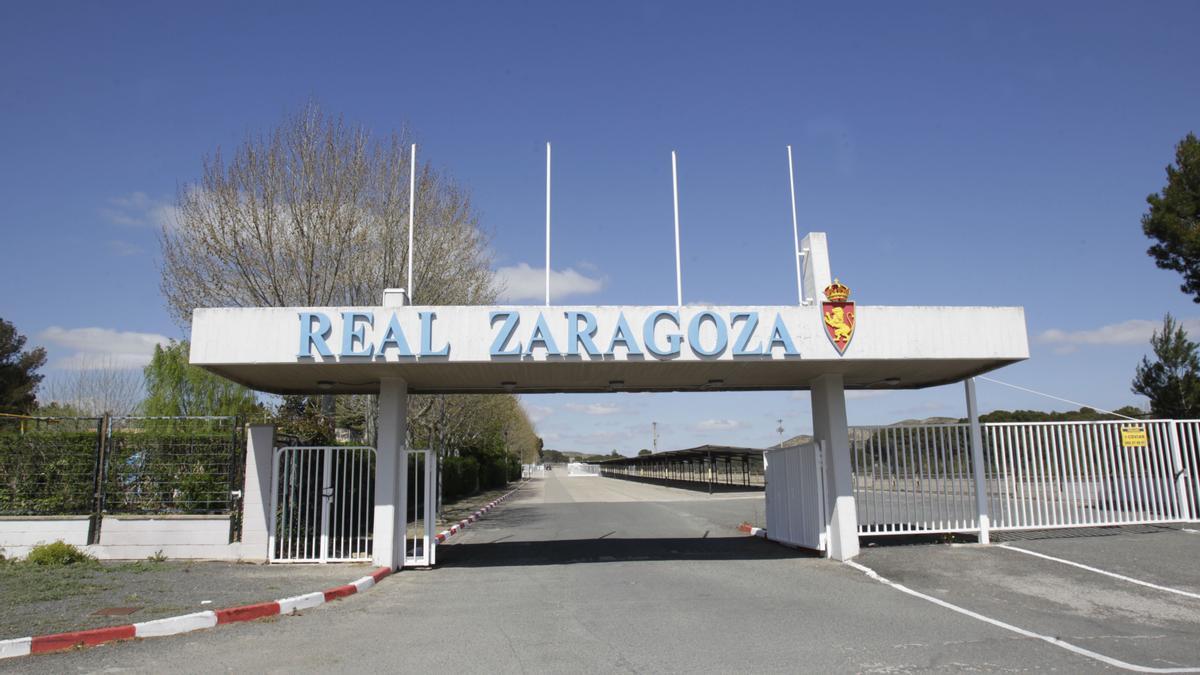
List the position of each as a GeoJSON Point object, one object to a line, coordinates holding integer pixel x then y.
{"type": "Point", "coordinates": [601, 575]}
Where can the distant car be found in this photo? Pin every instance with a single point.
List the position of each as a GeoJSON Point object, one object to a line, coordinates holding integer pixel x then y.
{"type": "Point", "coordinates": [549, 467]}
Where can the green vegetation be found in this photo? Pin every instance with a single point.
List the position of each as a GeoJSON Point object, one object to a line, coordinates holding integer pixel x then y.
{"type": "Point", "coordinates": [1173, 221]}
{"type": "Point", "coordinates": [18, 371]}
{"type": "Point", "coordinates": [1172, 380]}
{"type": "Point", "coordinates": [57, 554]}
{"type": "Point", "coordinates": [1084, 414]}
{"type": "Point", "coordinates": [176, 388]}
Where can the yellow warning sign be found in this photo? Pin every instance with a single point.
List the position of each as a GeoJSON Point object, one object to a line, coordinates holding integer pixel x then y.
{"type": "Point", "coordinates": [1134, 437]}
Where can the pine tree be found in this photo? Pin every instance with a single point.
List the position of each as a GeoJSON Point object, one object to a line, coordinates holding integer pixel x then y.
{"type": "Point", "coordinates": [18, 371]}
{"type": "Point", "coordinates": [1173, 220]}
{"type": "Point", "coordinates": [1172, 381]}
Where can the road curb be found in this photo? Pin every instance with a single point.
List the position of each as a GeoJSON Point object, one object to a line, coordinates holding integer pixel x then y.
{"type": "Point", "coordinates": [186, 623]}
{"type": "Point", "coordinates": [753, 531]}
{"type": "Point", "coordinates": [462, 524]}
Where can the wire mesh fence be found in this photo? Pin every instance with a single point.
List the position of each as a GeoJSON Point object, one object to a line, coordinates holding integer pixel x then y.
{"type": "Point", "coordinates": [172, 465]}
{"type": "Point", "coordinates": [48, 466]}
{"type": "Point", "coordinates": [122, 465]}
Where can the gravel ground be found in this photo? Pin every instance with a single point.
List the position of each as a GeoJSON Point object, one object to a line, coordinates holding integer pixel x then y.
{"type": "Point", "coordinates": [41, 600]}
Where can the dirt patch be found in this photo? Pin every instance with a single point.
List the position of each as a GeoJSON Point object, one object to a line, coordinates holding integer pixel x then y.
{"type": "Point", "coordinates": [40, 600]}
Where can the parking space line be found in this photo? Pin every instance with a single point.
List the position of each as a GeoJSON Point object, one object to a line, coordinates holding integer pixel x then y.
{"type": "Point", "coordinates": [1114, 575]}
{"type": "Point", "coordinates": [1189, 531]}
{"type": "Point", "coordinates": [1117, 663]}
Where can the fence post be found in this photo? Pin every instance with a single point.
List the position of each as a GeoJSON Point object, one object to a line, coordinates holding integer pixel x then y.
{"type": "Point", "coordinates": [978, 467]}
{"type": "Point", "coordinates": [1182, 475]}
{"type": "Point", "coordinates": [102, 436]}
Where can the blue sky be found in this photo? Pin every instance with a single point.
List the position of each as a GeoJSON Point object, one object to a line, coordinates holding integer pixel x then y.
{"type": "Point", "coordinates": [956, 153]}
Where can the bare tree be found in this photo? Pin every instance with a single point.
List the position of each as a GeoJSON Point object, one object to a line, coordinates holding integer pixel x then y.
{"type": "Point", "coordinates": [316, 213]}
{"type": "Point", "coordinates": [96, 387]}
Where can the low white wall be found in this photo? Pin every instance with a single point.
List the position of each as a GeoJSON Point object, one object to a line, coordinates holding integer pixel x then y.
{"type": "Point", "coordinates": [18, 534]}
{"type": "Point", "coordinates": [132, 537]}
{"type": "Point", "coordinates": [126, 537]}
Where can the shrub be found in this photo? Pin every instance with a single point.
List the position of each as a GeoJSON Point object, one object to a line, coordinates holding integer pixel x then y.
{"type": "Point", "coordinates": [57, 554]}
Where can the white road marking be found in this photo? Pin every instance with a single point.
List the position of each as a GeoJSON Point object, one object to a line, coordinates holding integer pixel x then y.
{"type": "Point", "coordinates": [1114, 575]}
{"type": "Point", "coordinates": [1116, 663]}
{"type": "Point", "coordinates": [1190, 531]}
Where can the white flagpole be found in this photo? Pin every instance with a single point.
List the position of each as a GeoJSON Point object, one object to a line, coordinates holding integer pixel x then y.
{"type": "Point", "coordinates": [795, 229]}
{"type": "Point", "coordinates": [547, 223]}
{"type": "Point", "coordinates": [412, 207]}
{"type": "Point", "coordinates": [675, 189]}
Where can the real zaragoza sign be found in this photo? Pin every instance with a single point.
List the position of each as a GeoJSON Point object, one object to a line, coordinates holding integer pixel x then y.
{"type": "Point", "coordinates": [635, 333]}
{"type": "Point", "coordinates": [653, 333]}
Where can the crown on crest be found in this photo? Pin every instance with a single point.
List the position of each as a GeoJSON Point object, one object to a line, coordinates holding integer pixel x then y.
{"type": "Point", "coordinates": [837, 291]}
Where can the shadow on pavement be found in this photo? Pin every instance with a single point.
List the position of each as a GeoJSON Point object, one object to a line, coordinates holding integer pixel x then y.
{"type": "Point", "coordinates": [571, 551]}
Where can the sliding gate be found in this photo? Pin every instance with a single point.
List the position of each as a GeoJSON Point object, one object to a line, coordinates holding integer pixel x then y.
{"type": "Point", "coordinates": [323, 504]}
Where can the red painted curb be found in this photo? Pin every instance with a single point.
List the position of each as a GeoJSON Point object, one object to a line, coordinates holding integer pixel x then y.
{"type": "Point", "coordinates": [745, 527]}
{"type": "Point", "coordinates": [43, 644]}
{"type": "Point", "coordinates": [97, 636]}
{"type": "Point", "coordinates": [340, 592]}
{"type": "Point", "coordinates": [247, 612]}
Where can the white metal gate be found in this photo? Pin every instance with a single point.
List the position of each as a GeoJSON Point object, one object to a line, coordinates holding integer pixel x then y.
{"type": "Point", "coordinates": [1035, 475]}
{"type": "Point", "coordinates": [323, 504]}
{"type": "Point", "coordinates": [418, 494]}
{"type": "Point", "coordinates": [796, 496]}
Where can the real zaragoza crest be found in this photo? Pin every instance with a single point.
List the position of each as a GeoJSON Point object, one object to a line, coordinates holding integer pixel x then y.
{"type": "Point", "coordinates": [838, 315]}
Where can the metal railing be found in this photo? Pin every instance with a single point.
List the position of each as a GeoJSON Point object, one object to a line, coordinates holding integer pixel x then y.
{"type": "Point", "coordinates": [52, 466]}
{"type": "Point", "coordinates": [323, 504]}
{"type": "Point", "coordinates": [913, 479]}
{"type": "Point", "coordinates": [1036, 475]}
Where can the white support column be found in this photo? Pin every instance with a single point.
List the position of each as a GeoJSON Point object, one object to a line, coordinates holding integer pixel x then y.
{"type": "Point", "coordinates": [977, 462]}
{"type": "Point", "coordinates": [830, 426]}
{"type": "Point", "coordinates": [387, 548]}
{"type": "Point", "coordinates": [817, 273]}
{"type": "Point", "coordinates": [256, 498]}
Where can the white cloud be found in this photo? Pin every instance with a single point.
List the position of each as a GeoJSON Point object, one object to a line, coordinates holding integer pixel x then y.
{"type": "Point", "coordinates": [536, 413]}
{"type": "Point", "coordinates": [522, 282]}
{"type": "Point", "coordinates": [594, 408]}
{"type": "Point", "coordinates": [101, 347]}
{"type": "Point", "coordinates": [123, 248]}
{"type": "Point", "coordinates": [1131, 332]}
{"type": "Point", "coordinates": [140, 210]}
{"type": "Point", "coordinates": [718, 425]}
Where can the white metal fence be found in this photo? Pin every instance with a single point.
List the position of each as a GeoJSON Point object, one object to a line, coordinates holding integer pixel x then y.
{"type": "Point", "coordinates": [323, 504]}
{"type": "Point", "coordinates": [581, 469]}
{"type": "Point", "coordinates": [795, 499]}
{"type": "Point", "coordinates": [1035, 475]}
{"type": "Point", "coordinates": [533, 471]}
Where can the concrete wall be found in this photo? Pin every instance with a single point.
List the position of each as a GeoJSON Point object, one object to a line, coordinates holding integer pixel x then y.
{"type": "Point", "coordinates": [136, 537]}
{"type": "Point", "coordinates": [132, 537]}
{"type": "Point", "coordinates": [125, 537]}
{"type": "Point", "coordinates": [18, 534]}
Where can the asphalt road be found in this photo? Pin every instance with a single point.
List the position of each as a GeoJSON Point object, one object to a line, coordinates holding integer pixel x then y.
{"type": "Point", "coordinates": [603, 575]}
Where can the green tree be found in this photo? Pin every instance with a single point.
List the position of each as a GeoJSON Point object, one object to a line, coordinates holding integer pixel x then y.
{"type": "Point", "coordinates": [175, 387]}
{"type": "Point", "coordinates": [19, 378]}
{"type": "Point", "coordinates": [1173, 220]}
{"type": "Point", "coordinates": [643, 452]}
{"type": "Point", "coordinates": [1172, 380]}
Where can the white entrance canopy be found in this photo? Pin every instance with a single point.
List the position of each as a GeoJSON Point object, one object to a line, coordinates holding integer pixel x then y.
{"type": "Point", "coordinates": [825, 346]}
{"type": "Point", "coordinates": [457, 349]}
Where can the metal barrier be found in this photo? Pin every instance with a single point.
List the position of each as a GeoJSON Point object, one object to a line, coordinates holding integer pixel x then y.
{"type": "Point", "coordinates": [323, 502]}
{"type": "Point", "coordinates": [580, 469]}
{"type": "Point", "coordinates": [913, 479]}
{"type": "Point", "coordinates": [1036, 475]}
{"type": "Point", "coordinates": [796, 501]}
{"type": "Point", "coordinates": [1075, 474]}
